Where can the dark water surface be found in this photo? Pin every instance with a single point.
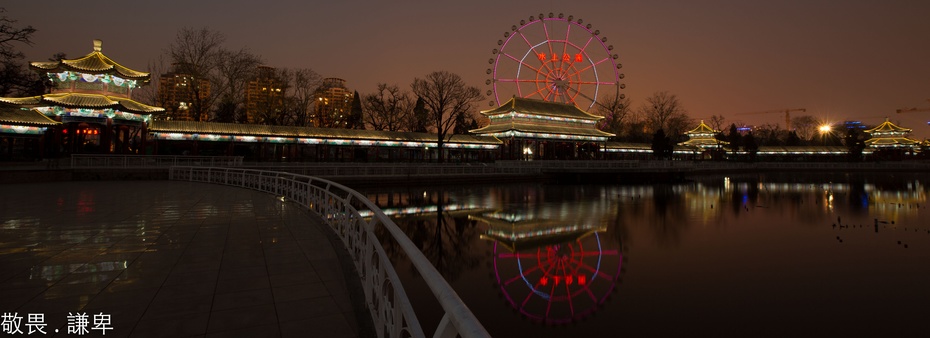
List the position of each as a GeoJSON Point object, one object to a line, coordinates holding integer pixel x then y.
{"type": "Point", "coordinates": [772, 254]}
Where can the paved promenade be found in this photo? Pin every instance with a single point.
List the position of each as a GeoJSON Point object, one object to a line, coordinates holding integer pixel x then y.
{"type": "Point", "coordinates": [172, 259]}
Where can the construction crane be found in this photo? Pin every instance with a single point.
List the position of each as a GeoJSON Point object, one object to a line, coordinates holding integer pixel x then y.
{"type": "Point", "coordinates": [787, 113]}
{"type": "Point", "coordinates": [913, 110]}
{"type": "Point", "coordinates": [908, 110]}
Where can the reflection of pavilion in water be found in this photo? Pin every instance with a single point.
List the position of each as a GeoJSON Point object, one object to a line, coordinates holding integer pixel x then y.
{"type": "Point", "coordinates": [550, 271]}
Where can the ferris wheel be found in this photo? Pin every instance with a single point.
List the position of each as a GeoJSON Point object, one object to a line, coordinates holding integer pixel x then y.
{"type": "Point", "coordinates": [554, 58]}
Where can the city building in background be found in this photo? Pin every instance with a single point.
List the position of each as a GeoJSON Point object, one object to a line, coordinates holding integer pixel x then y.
{"type": "Point", "coordinates": [264, 96]}
{"type": "Point", "coordinates": [177, 92]}
{"type": "Point", "coordinates": [334, 101]}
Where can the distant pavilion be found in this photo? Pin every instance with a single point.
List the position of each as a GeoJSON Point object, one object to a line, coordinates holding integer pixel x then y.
{"type": "Point", "coordinates": [702, 139]}
{"type": "Point", "coordinates": [536, 129]}
{"type": "Point", "coordinates": [890, 136]}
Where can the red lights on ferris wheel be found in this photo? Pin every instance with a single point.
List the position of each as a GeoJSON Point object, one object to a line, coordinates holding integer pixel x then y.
{"type": "Point", "coordinates": [561, 283]}
{"type": "Point", "coordinates": [554, 58]}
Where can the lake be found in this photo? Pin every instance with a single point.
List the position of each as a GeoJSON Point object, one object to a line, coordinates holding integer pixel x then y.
{"type": "Point", "coordinates": [772, 254]}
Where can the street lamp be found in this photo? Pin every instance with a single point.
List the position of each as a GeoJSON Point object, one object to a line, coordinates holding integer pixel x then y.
{"type": "Point", "coordinates": [824, 130]}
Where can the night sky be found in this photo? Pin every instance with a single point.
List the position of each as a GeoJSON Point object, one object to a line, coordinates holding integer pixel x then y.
{"type": "Point", "coordinates": [838, 59]}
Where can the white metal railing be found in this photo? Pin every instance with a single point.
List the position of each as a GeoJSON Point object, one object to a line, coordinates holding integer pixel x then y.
{"type": "Point", "coordinates": [150, 161]}
{"type": "Point", "coordinates": [339, 206]}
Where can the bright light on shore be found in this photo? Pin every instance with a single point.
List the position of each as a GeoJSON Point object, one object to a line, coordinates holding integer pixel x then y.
{"type": "Point", "coordinates": [825, 128]}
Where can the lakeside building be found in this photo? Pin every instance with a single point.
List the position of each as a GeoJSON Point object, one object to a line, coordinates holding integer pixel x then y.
{"type": "Point", "coordinates": [889, 135]}
{"type": "Point", "coordinates": [288, 143]}
{"type": "Point", "coordinates": [89, 110]}
{"type": "Point", "coordinates": [702, 139]}
{"type": "Point", "coordinates": [540, 130]}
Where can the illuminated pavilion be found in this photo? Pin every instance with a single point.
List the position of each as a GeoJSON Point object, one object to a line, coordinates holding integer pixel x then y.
{"type": "Point", "coordinates": [536, 129]}
{"type": "Point", "coordinates": [90, 106]}
{"type": "Point", "coordinates": [703, 137]}
{"type": "Point", "coordinates": [890, 136]}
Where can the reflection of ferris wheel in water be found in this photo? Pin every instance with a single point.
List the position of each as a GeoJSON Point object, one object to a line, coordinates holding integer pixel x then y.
{"type": "Point", "coordinates": [554, 58]}
{"type": "Point", "coordinates": [558, 284]}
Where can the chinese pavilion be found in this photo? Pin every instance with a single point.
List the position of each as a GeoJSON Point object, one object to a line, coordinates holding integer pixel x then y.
{"type": "Point", "coordinates": [91, 103]}
{"type": "Point", "coordinates": [703, 136]}
{"type": "Point", "coordinates": [888, 135]}
{"type": "Point", "coordinates": [535, 129]}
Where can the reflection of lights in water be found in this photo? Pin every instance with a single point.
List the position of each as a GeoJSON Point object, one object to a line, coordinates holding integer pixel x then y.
{"type": "Point", "coordinates": [85, 203]}
{"type": "Point", "coordinates": [560, 283]}
{"type": "Point", "coordinates": [55, 272]}
{"type": "Point", "coordinates": [420, 210]}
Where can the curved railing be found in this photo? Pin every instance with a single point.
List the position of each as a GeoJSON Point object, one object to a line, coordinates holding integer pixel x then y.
{"type": "Point", "coordinates": [339, 206]}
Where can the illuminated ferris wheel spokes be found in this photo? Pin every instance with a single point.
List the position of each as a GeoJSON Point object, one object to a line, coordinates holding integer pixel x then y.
{"type": "Point", "coordinates": [553, 58]}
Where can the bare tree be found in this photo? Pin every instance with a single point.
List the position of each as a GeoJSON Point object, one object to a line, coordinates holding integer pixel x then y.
{"type": "Point", "coordinates": [616, 111]}
{"type": "Point", "coordinates": [769, 134]}
{"type": "Point", "coordinates": [664, 111]}
{"type": "Point", "coordinates": [678, 124]}
{"type": "Point", "coordinates": [717, 122]}
{"type": "Point", "coordinates": [271, 105]}
{"type": "Point", "coordinates": [662, 108]}
{"type": "Point", "coordinates": [14, 77]}
{"type": "Point", "coordinates": [388, 109]}
{"type": "Point", "coordinates": [447, 98]}
{"type": "Point", "coordinates": [198, 53]}
{"type": "Point", "coordinates": [804, 126]}
{"type": "Point", "coordinates": [233, 72]}
{"type": "Point", "coordinates": [305, 82]}
{"type": "Point", "coordinates": [148, 94]}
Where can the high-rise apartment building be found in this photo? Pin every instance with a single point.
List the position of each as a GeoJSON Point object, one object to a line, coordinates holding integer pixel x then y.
{"type": "Point", "coordinates": [264, 100]}
{"type": "Point", "coordinates": [178, 93]}
{"type": "Point", "coordinates": [333, 104]}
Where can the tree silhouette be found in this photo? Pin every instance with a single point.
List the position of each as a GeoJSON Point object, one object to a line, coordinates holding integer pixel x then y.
{"type": "Point", "coordinates": [662, 145]}
{"type": "Point", "coordinates": [448, 98]}
{"type": "Point", "coordinates": [14, 77]}
{"type": "Point", "coordinates": [388, 109]}
{"type": "Point", "coordinates": [355, 120]}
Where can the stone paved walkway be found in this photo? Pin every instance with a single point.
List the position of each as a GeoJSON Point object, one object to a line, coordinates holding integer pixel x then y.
{"type": "Point", "coordinates": [172, 259]}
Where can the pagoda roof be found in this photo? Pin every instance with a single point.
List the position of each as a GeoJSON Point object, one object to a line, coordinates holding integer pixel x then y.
{"type": "Point", "coordinates": [28, 117]}
{"type": "Point", "coordinates": [94, 63]}
{"type": "Point", "coordinates": [702, 142]}
{"type": "Point", "coordinates": [886, 127]}
{"type": "Point", "coordinates": [540, 128]}
{"type": "Point", "coordinates": [541, 108]}
{"type": "Point", "coordinates": [702, 129]}
{"type": "Point", "coordinates": [293, 131]}
{"type": "Point", "coordinates": [82, 100]}
{"type": "Point", "coordinates": [891, 141]}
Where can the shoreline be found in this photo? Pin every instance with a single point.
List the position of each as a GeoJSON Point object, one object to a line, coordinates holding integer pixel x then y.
{"type": "Point", "coordinates": [360, 175]}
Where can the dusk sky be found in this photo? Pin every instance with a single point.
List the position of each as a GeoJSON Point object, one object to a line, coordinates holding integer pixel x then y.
{"type": "Point", "coordinates": [838, 59]}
